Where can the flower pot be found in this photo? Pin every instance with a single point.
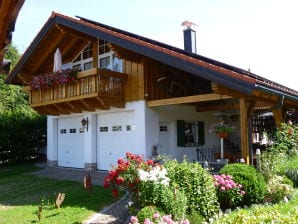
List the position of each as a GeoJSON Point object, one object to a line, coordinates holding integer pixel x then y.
{"type": "Point", "coordinates": [223, 134]}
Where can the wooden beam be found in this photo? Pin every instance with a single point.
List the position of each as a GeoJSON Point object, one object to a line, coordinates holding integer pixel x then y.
{"type": "Point", "coordinates": [51, 47]}
{"type": "Point", "coordinates": [201, 108]}
{"type": "Point", "coordinates": [244, 129]}
{"type": "Point", "coordinates": [95, 54]}
{"type": "Point", "coordinates": [251, 106]}
{"type": "Point", "coordinates": [222, 90]}
{"type": "Point", "coordinates": [187, 99]}
{"type": "Point", "coordinates": [25, 78]}
{"type": "Point", "coordinates": [278, 114]}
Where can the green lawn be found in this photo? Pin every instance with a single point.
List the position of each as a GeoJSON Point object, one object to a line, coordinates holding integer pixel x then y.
{"type": "Point", "coordinates": [21, 194]}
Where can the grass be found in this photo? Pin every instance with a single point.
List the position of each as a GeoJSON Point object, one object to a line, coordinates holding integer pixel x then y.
{"type": "Point", "coordinates": [22, 193]}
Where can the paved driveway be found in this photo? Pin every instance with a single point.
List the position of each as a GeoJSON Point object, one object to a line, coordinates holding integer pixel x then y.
{"type": "Point", "coordinates": [97, 177]}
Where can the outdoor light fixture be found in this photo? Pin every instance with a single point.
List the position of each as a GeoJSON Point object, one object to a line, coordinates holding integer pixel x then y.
{"type": "Point", "coordinates": [84, 123]}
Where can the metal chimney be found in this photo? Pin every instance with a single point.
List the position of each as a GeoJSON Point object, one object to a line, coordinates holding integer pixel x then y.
{"type": "Point", "coordinates": [189, 37]}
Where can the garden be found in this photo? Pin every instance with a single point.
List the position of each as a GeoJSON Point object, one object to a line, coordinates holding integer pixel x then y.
{"type": "Point", "coordinates": [180, 193]}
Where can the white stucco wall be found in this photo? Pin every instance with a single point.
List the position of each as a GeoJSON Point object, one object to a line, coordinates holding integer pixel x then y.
{"type": "Point", "coordinates": [171, 114]}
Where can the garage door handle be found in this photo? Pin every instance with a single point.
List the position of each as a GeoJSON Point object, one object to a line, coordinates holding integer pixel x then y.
{"type": "Point", "coordinates": [67, 151]}
{"type": "Point", "coordinates": [110, 153]}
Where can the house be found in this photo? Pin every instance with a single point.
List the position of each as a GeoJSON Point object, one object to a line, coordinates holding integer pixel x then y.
{"type": "Point", "coordinates": [9, 10]}
{"type": "Point", "coordinates": [139, 95]}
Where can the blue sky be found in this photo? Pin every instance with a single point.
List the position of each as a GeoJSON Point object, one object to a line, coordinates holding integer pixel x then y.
{"type": "Point", "coordinates": [258, 34]}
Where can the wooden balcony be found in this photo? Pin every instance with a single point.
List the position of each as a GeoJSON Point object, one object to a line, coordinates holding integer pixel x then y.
{"type": "Point", "coordinates": [93, 89]}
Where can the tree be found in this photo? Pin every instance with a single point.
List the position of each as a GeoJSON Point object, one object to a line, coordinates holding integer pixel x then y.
{"type": "Point", "coordinates": [23, 130]}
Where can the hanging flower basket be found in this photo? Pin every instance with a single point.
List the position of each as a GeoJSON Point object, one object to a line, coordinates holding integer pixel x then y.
{"type": "Point", "coordinates": [221, 129]}
{"type": "Point", "coordinates": [223, 134]}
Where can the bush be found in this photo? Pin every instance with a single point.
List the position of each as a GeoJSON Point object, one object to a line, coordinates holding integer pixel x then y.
{"type": "Point", "coordinates": [261, 215]}
{"type": "Point", "coordinates": [272, 164]}
{"type": "Point", "coordinates": [22, 136]}
{"type": "Point", "coordinates": [286, 140]}
{"type": "Point", "coordinates": [195, 218]}
{"type": "Point", "coordinates": [169, 200]}
{"type": "Point", "coordinates": [277, 190]}
{"type": "Point", "coordinates": [252, 181]}
{"type": "Point", "coordinates": [228, 192]}
{"type": "Point", "coordinates": [197, 184]}
{"type": "Point", "coordinates": [148, 212]}
{"type": "Point", "coordinates": [291, 170]}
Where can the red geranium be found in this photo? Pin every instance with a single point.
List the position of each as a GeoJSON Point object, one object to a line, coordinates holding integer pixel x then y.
{"type": "Point", "coordinates": [125, 174]}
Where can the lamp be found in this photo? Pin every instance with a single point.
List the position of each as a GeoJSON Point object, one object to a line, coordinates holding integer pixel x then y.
{"type": "Point", "coordinates": [258, 156]}
{"type": "Point", "coordinates": [84, 123]}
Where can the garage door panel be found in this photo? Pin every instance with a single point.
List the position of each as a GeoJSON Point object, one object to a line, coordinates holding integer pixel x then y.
{"type": "Point", "coordinates": [70, 143]}
{"type": "Point", "coordinates": [115, 137]}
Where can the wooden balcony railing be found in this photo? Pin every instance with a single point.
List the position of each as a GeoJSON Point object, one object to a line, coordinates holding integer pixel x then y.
{"type": "Point", "coordinates": [103, 84]}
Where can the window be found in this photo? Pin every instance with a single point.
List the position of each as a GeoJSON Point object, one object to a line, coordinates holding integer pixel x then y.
{"type": "Point", "coordinates": [128, 127]}
{"type": "Point", "coordinates": [117, 128]}
{"type": "Point", "coordinates": [104, 129]}
{"type": "Point", "coordinates": [84, 61]}
{"type": "Point", "coordinates": [63, 131]}
{"type": "Point", "coordinates": [105, 61]}
{"type": "Point", "coordinates": [163, 128]}
{"type": "Point", "coordinates": [190, 133]}
{"type": "Point", "coordinates": [106, 58]}
{"type": "Point", "coordinates": [72, 130]}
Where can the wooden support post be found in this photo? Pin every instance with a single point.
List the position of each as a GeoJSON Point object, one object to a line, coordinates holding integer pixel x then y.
{"type": "Point", "coordinates": [278, 116]}
{"type": "Point", "coordinates": [244, 129]}
{"type": "Point", "coordinates": [95, 54]}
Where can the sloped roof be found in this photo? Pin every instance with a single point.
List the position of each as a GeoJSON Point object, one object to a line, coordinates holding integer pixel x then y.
{"type": "Point", "coordinates": [218, 72]}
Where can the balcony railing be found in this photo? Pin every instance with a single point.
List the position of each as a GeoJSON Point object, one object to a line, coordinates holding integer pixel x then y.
{"type": "Point", "coordinates": [91, 83]}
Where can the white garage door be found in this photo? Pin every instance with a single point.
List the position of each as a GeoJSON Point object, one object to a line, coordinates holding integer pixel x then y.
{"type": "Point", "coordinates": [70, 142]}
{"type": "Point", "coordinates": [115, 137]}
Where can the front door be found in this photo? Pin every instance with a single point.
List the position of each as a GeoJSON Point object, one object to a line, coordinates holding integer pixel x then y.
{"type": "Point", "coordinates": [164, 139]}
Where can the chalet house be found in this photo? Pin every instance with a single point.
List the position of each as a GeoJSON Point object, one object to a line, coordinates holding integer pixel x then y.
{"type": "Point", "coordinates": [139, 95]}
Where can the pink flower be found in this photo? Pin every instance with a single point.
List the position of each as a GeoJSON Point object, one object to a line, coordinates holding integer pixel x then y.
{"type": "Point", "coordinates": [134, 219]}
{"type": "Point", "coordinates": [186, 221]}
{"type": "Point", "coordinates": [156, 215]}
{"type": "Point", "coordinates": [147, 221]}
{"type": "Point", "coordinates": [242, 192]}
{"type": "Point", "coordinates": [222, 188]}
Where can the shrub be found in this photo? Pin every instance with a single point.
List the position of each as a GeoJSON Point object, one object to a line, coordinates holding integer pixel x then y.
{"type": "Point", "coordinates": [277, 190]}
{"type": "Point", "coordinates": [228, 192]}
{"type": "Point", "coordinates": [291, 170]}
{"type": "Point", "coordinates": [152, 215]}
{"type": "Point", "coordinates": [195, 217]}
{"type": "Point", "coordinates": [169, 200]}
{"type": "Point", "coordinates": [148, 212]}
{"type": "Point", "coordinates": [261, 215]}
{"type": "Point", "coordinates": [197, 184]}
{"type": "Point", "coordinates": [272, 164]}
{"type": "Point", "coordinates": [292, 174]}
{"type": "Point", "coordinates": [125, 174]}
{"type": "Point", "coordinates": [252, 181]}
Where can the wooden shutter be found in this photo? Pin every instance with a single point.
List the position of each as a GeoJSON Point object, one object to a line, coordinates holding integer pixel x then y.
{"type": "Point", "coordinates": [201, 133]}
{"type": "Point", "coordinates": [180, 133]}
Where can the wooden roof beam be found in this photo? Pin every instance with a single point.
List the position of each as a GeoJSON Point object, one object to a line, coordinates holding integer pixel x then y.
{"type": "Point", "coordinates": [50, 48]}
{"type": "Point", "coordinates": [187, 99]}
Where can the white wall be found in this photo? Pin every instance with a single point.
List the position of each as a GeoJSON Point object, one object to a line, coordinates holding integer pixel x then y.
{"type": "Point", "coordinates": [171, 114]}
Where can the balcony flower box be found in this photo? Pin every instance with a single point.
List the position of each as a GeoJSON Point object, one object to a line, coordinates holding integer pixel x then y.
{"type": "Point", "coordinates": [59, 78]}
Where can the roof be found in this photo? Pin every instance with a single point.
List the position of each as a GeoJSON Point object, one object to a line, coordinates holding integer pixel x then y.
{"type": "Point", "coordinates": [218, 72]}
{"type": "Point", "coordinates": [9, 10]}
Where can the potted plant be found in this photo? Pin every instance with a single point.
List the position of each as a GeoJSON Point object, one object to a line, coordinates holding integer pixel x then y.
{"type": "Point", "coordinates": [221, 129]}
